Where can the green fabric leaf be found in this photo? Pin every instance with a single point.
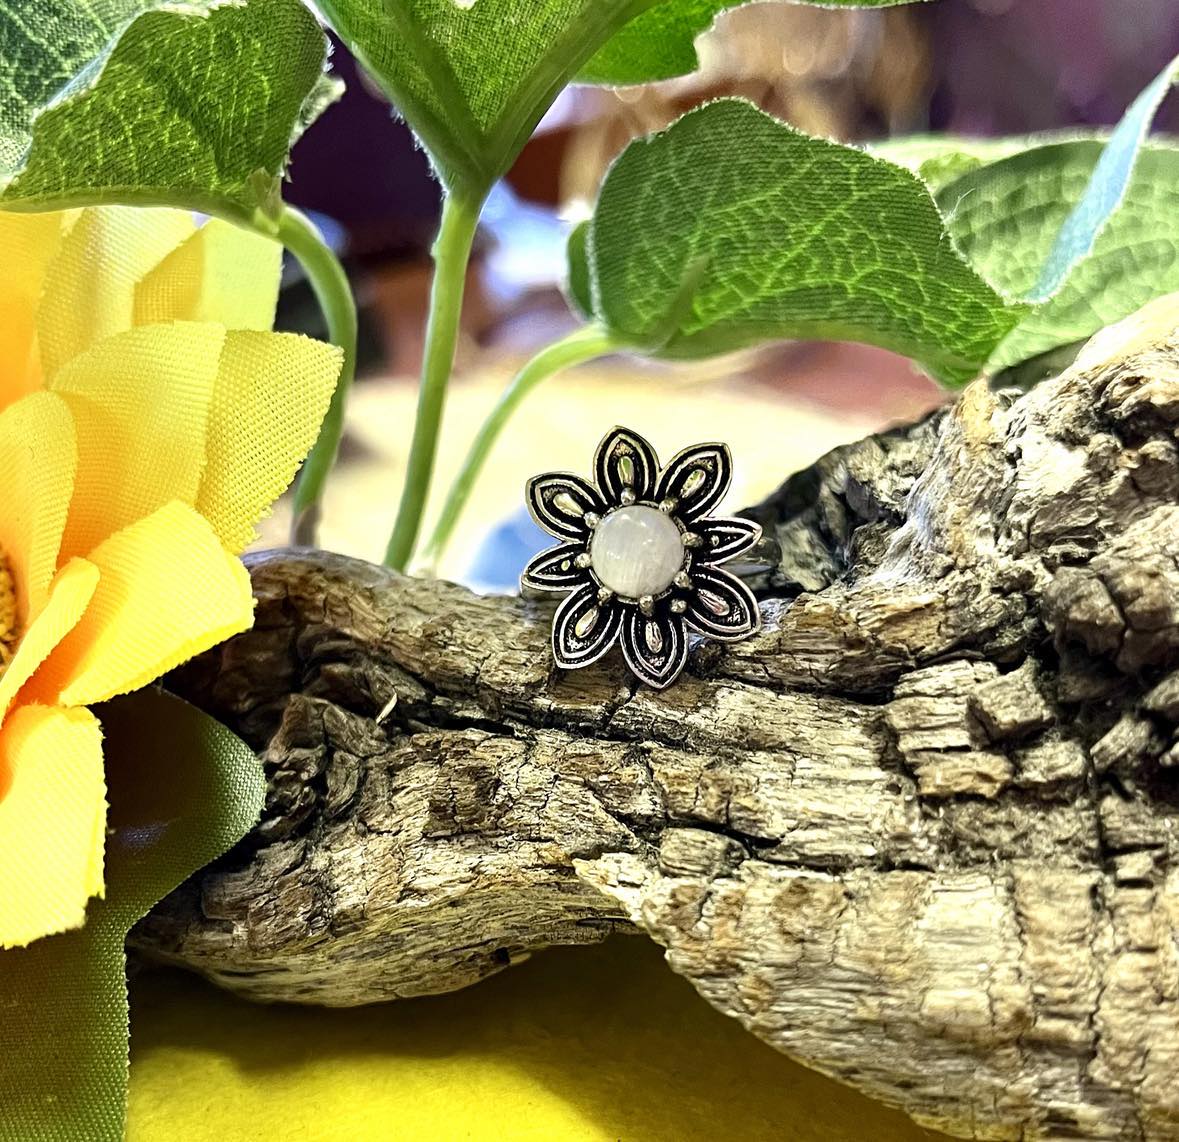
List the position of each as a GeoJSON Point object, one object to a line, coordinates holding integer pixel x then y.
{"type": "Point", "coordinates": [473, 79]}
{"type": "Point", "coordinates": [579, 287]}
{"type": "Point", "coordinates": [1106, 188]}
{"type": "Point", "coordinates": [182, 790]}
{"type": "Point", "coordinates": [191, 104]}
{"type": "Point", "coordinates": [661, 43]}
{"type": "Point", "coordinates": [1005, 217]}
{"type": "Point", "coordinates": [939, 159]}
{"type": "Point", "coordinates": [731, 228]}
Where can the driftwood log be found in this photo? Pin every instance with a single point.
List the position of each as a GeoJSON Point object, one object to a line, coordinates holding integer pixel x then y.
{"type": "Point", "coordinates": [922, 833]}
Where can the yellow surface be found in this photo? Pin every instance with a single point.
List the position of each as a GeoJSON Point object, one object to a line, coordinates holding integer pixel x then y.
{"type": "Point", "coordinates": [578, 1045]}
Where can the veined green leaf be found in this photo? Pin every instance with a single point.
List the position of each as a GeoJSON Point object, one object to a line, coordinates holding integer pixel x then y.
{"type": "Point", "coordinates": [192, 104]}
{"type": "Point", "coordinates": [1106, 188]}
{"type": "Point", "coordinates": [731, 228]}
{"type": "Point", "coordinates": [182, 789]}
{"type": "Point", "coordinates": [1006, 215]}
{"type": "Point", "coordinates": [939, 159]}
{"type": "Point", "coordinates": [661, 43]}
{"type": "Point", "coordinates": [474, 79]}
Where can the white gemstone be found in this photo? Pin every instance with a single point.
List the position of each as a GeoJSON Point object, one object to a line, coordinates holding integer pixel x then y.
{"type": "Point", "coordinates": [637, 551]}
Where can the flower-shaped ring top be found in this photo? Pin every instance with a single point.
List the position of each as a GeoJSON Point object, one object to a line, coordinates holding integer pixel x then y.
{"type": "Point", "coordinates": [640, 558]}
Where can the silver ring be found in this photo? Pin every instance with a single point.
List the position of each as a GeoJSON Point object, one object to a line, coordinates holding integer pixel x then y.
{"type": "Point", "coordinates": [640, 558]}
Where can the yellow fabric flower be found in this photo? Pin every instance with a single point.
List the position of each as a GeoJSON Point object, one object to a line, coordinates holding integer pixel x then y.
{"type": "Point", "coordinates": [149, 419]}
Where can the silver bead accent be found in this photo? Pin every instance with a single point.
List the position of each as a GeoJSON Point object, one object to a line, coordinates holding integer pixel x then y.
{"type": "Point", "coordinates": [592, 519]}
{"type": "Point", "coordinates": [583, 560]}
{"type": "Point", "coordinates": [691, 539]}
{"type": "Point", "coordinates": [682, 580]}
{"type": "Point", "coordinates": [668, 505]}
{"type": "Point", "coordinates": [647, 605]}
{"type": "Point", "coordinates": [626, 497]}
{"type": "Point", "coordinates": [605, 594]}
{"type": "Point", "coordinates": [678, 606]}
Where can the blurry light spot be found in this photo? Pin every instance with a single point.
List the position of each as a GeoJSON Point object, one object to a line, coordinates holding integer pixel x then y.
{"type": "Point", "coordinates": [798, 56]}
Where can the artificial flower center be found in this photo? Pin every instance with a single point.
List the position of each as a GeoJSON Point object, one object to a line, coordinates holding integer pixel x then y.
{"type": "Point", "coordinates": [8, 624]}
{"type": "Point", "coordinates": [637, 551]}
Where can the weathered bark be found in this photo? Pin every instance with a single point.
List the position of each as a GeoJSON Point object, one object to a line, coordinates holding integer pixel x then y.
{"type": "Point", "coordinates": [922, 833]}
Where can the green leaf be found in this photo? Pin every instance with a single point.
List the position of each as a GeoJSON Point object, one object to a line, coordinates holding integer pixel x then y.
{"type": "Point", "coordinates": [1005, 217]}
{"type": "Point", "coordinates": [191, 104]}
{"type": "Point", "coordinates": [579, 288]}
{"type": "Point", "coordinates": [473, 79]}
{"type": "Point", "coordinates": [182, 790]}
{"type": "Point", "coordinates": [731, 228]}
{"type": "Point", "coordinates": [661, 43]}
{"type": "Point", "coordinates": [1106, 188]}
{"type": "Point", "coordinates": [939, 159]}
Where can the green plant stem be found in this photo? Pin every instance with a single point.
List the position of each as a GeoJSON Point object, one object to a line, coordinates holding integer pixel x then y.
{"type": "Point", "coordinates": [332, 291]}
{"type": "Point", "coordinates": [452, 251]}
{"type": "Point", "coordinates": [582, 344]}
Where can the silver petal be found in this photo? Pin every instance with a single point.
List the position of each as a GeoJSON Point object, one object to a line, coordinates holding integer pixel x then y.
{"type": "Point", "coordinates": [555, 569]}
{"type": "Point", "coordinates": [625, 460]}
{"type": "Point", "coordinates": [583, 628]}
{"type": "Point", "coordinates": [723, 539]}
{"type": "Point", "coordinates": [697, 479]}
{"type": "Point", "coordinates": [559, 502]}
{"type": "Point", "coordinates": [721, 605]}
{"type": "Point", "coordinates": [655, 656]}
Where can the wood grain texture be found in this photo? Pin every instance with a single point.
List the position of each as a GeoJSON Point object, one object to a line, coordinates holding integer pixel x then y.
{"type": "Point", "coordinates": [922, 833]}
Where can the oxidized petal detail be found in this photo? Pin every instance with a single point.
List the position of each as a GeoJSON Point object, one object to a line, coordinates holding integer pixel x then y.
{"type": "Point", "coordinates": [555, 569]}
{"type": "Point", "coordinates": [625, 460]}
{"type": "Point", "coordinates": [697, 479]}
{"type": "Point", "coordinates": [723, 539]}
{"type": "Point", "coordinates": [721, 605]}
{"type": "Point", "coordinates": [655, 647]}
{"type": "Point", "coordinates": [640, 559]}
{"type": "Point", "coordinates": [559, 502]}
{"type": "Point", "coordinates": [584, 629]}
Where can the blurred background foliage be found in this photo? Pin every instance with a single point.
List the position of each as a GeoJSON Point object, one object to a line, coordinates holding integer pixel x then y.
{"type": "Point", "coordinates": [990, 67]}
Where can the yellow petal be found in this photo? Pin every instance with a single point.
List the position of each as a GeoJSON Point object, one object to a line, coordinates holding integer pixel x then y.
{"type": "Point", "coordinates": [52, 821]}
{"type": "Point", "coordinates": [89, 290]}
{"type": "Point", "coordinates": [141, 404]}
{"type": "Point", "coordinates": [38, 456]}
{"type": "Point", "coordinates": [68, 596]}
{"type": "Point", "coordinates": [167, 590]}
{"type": "Point", "coordinates": [272, 392]}
{"type": "Point", "coordinates": [29, 242]}
{"type": "Point", "coordinates": [222, 273]}
{"type": "Point", "coordinates": [20, 366]}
